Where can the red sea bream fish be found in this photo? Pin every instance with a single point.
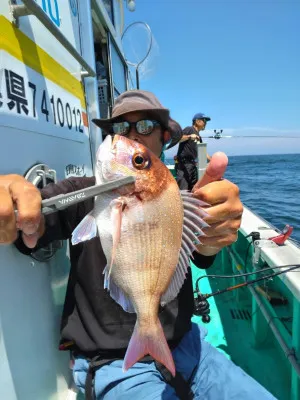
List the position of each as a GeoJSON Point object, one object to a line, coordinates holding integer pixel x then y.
{"type": "Point", "coordinates": [147, 230]}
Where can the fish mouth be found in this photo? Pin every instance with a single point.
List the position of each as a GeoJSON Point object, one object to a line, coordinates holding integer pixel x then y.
{"type": "Point", "coordinates": [106, 175]}
{"type": "Point", "coordinates": [127, 190]}
{"type": "Point", "coordinates": [109, 169]}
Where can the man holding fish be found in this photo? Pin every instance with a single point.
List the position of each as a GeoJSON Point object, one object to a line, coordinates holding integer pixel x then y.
{"type": "Point", "coordinates": [130, 289]}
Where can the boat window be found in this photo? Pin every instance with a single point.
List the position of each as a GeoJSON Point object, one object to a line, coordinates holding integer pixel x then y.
{"type": "Point", "coordinates": [111, 68]}
{"type": "Point", "coordinates": [108, 4]}
{"type": "Point", "coordinates": [101, 67]}
{"type": "Point", "coordinates": [102, 78]}
{"type": "Point", "coordinates": [119, 72]}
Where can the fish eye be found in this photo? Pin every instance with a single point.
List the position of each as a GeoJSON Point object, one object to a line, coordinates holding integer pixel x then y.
{"type": "Point", "coordinates": [139, 161]}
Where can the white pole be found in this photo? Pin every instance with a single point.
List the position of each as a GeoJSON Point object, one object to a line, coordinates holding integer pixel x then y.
{"type": "Point", "coordinates": [202, 159]}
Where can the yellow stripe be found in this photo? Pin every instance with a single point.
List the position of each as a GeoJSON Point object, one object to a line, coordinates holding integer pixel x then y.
{"type": "Point", "coordinates": [24, 49]}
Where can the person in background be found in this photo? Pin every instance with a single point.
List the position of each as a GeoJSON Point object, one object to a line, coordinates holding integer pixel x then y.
{"type": "Point", "coordinates": [186, 168]}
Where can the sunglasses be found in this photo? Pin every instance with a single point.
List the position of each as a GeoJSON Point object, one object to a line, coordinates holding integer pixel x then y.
{"type": "Point", "coordinates": [143, 127]}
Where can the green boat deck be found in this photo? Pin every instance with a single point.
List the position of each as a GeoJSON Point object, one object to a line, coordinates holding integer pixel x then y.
{"type": "Point", "coordinates": [231, 332]}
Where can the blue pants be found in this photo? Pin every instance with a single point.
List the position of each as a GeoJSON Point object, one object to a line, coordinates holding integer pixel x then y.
{"type": "Point", "coordinates": [214, 376]}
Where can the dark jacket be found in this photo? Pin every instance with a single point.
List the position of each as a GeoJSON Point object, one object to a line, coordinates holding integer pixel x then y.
{"type": "Point", "coordinates": [188, 149]}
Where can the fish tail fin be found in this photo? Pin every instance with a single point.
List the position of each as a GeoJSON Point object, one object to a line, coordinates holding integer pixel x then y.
{"type": "Point", "coordinates": [150, 340]}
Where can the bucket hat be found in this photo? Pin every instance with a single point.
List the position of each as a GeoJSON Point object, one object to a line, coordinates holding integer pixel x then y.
{"type": "Point", "coordinates": [141, 100]}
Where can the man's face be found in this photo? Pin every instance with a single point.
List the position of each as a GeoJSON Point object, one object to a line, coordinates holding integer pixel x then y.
{"type": "Point", "coordinates": [153, 141]}
{"type": "Point", "coordinates": [201, 124]}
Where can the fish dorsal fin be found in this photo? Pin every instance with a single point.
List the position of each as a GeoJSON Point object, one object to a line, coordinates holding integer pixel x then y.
{"type": "Point", "coordinates": [116, 293]}
{"type": "Point", "coordinates": [192, 228]}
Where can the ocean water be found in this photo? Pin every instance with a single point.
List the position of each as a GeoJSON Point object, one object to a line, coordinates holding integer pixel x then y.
{"type": "Point", "coordinates": [269, 186]}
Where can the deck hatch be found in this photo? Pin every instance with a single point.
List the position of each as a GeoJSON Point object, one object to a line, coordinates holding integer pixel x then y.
{"type": "Point", "coordinates": [240, 314]}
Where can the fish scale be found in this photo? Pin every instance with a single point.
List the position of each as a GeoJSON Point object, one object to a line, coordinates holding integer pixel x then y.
{"type": "Point", "coordinates": [150, 243]}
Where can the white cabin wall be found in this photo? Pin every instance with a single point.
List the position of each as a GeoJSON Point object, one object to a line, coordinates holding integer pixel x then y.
{"type": "Point", "coordinates": [6, 376]}
{"type": "Point", "coordinates": [32, 293]}
{"type": "Point", "coordinates": [29, 330]}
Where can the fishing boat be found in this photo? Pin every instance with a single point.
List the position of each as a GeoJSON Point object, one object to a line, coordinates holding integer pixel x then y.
{"type": "Point", "coordinates": [62, 64]}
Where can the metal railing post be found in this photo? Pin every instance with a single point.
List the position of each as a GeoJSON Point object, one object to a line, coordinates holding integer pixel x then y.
{"type": "Point", "coordinates": [202, 159]}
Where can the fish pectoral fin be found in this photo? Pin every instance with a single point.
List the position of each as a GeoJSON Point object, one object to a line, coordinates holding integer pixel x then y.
{"type": "Point", "coordinates": [117, 294]}
{"type": "Point", "coordinates": [193, 212]}
{"type": "Point", "coordinates": [149, 341]}
{"type": "Point", "coordinates": [85, 230]}
{"type": "Point", "coordinates": [117, 207]}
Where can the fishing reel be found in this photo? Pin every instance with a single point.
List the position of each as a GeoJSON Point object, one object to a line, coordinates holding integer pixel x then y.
{"type": "Point", "coordinates": [201, 307]}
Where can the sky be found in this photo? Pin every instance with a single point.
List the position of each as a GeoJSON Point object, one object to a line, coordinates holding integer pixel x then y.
{"type": "Point", "coordinates": [237, 61]}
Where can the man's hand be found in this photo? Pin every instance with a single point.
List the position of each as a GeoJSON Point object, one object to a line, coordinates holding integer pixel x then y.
{"type": "Point", "coordinates": [225, 210]}
{"type": "Point", "coordinates": [194, 137]}
{"type": "Point", "coordinates": [17, 193]}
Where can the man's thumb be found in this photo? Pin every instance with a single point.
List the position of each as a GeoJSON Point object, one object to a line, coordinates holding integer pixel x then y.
{"type": "Point", "coordinates": [214, 171]}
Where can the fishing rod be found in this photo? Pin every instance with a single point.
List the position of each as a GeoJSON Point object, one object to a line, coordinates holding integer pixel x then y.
{"type": "Point", "coordinates": [218, 134]}
{"type": "Point", "coordinates": [201, 303]}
